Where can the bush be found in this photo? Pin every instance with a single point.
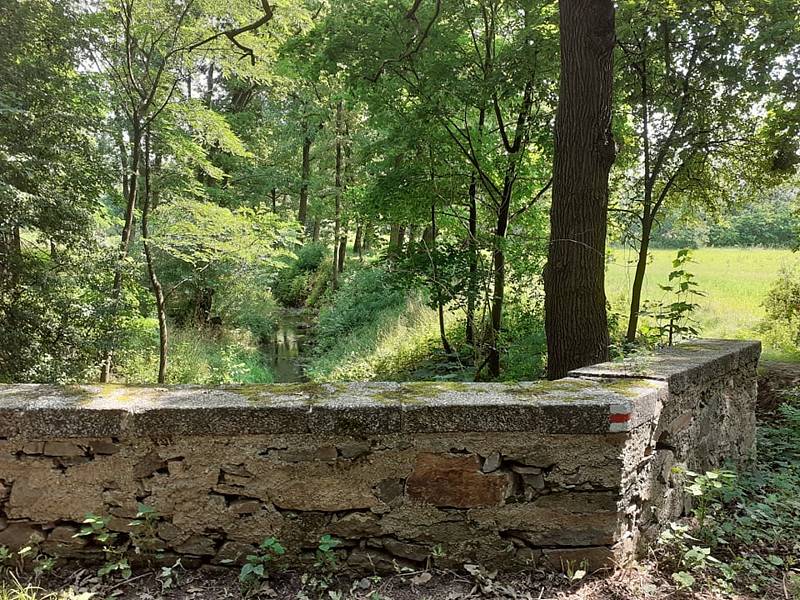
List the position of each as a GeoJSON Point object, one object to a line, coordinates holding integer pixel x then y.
{"type": "Point", "coordinates": [302, 279]}
{"type": "Point", "coordinates": [311, 256]}
{"type": "Point", "coordinates": [781, 328]}
{"type": "Point", "coordinates": [292, 288]}
{"type": "Point", "coordinates": [246, 302]}
{"type": "Point", "coordinates": [362, 296]}
{"type": "Point", "coordinates": [524, 342]}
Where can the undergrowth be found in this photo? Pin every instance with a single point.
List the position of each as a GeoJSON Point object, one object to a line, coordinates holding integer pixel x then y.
{"type": "Point", "coordinates": [200, 356]}
{"type": "Point", "coordinates": [745, 531]}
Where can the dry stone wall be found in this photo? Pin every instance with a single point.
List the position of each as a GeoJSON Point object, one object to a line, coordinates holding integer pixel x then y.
{"type": "Point", "coordinates": [506, 475]}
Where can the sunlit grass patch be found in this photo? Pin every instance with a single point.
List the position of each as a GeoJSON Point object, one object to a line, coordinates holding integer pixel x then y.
{"type": "Point", "coordinates": [735, 280]}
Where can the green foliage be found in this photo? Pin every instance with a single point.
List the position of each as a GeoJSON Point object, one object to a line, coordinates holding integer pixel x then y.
{"type": "Point", "coordinates": [256, 567]}
{"type": "Point", "coordinates": [362, 296]}
{"type": "Point", "coordinates": [311, 256]}
{"type": "Point", "coordinates": [673, 317]}
{"type": "Point", "coordinates": [325, 566]}
{"type": "Point", "coordinates": [204, 357]}
{"type": "Point", "coordinates": [144, 529]}
{"type": "Point", "coordinates": [781, 327]}
{"type": "Point", "coordinates": [745, 530]}
{"type": "Point", "coordinates": [305, 279]}
{"type": "Point", "coordinates": [523, 342]}
{"type": "Point", "coordinates": [95, 528]}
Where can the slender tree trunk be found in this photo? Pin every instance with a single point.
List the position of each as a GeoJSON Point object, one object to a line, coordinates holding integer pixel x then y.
{"type": "Point", "coordinates": [394, 239]}
{"type": "Point", "coordinates": [273, 196]}
{"type": "Point", "coordinates": [209, 85]}
{"type": "Point", "coordinates": [357, 241]}
{"type": "Point", "coordinates": [575, 302]}
{"type": "Point", "coordinates": [127, 231]}
{"type": "Point", "coordinates": [155, 283]}
{"type": "Point", "coordinates": [472, 244]}
{"type": "Point", "coordinates": [437, 290]}
{"type": "Point", "coordinates": [412, 235]}
{"type": "Point", "coordinates": [499, 268]}
{"type": "Point", "coordinates": [342, 250]}
{"type": "Point", "coordinates": [305, 175]}
{"type": "Point", "coordinates": [638, 278]}
{"type": "Point", "coordinates": [338, 182]}
{"type": "Point", "coordinates": [315, 233]}
{"type": "Point", "coordinates": [369, 234]}
{"type": "Point", "coordinates": [472, 284]}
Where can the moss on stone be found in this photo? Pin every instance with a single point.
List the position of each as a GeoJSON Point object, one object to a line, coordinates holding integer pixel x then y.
{"type": "Point", "coordinates": [544, 387]}
{"type": "Point", "coordinates": [258, 393]}
{"type": "Point", "coordinates": [630, 388]}
{"type": "Point", "coordinates": [416, 392]}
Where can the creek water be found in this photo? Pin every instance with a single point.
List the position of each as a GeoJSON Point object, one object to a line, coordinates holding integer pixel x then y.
{"type": "Point", "coordinates": [284, 351]}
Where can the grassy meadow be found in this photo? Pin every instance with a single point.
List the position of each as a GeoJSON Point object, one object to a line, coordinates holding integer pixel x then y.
{"type": "Point", "coordinates": [735, 281]}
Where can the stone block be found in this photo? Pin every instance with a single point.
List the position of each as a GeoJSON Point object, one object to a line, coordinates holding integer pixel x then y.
{"type": "Point", "coordinates": [455, 481]}
{"type": "Point", "coordinates": [356, 526]}
{"type": "Point", "coordinates": [19, 535]}
{"type": "Point", "coordinates": [198, 545]}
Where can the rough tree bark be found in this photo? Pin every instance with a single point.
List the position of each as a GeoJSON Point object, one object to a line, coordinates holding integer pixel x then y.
{"type": "Point", "coordinates": [575, 302]}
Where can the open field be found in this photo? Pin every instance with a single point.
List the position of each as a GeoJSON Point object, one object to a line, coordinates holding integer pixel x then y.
{"type": "Point", "coordinates": [735, 280]}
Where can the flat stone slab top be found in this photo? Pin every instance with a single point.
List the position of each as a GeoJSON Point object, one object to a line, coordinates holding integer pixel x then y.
{"type": "Point", "coordinates": [570, 405]}
{"type": "Point", "coordinates": [680, 365]}
{"type": "Point", "coordinates": [611, 397]}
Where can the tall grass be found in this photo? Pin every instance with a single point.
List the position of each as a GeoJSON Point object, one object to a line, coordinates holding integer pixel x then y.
{"type": "Point", "coordinates": [735, 280]}
{"type": "Point", "coordinates": [201, 356]}
{"type": "Point", "coordinates": [384, 348]}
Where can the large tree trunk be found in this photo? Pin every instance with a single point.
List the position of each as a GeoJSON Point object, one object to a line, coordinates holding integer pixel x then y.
{"type": "Point", "coordinates": [575, 301]}
{"type": "Point", "coordinates": [638, 278]}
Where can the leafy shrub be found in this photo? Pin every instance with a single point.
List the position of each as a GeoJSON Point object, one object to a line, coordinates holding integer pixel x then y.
{"type": "Point", "coordinates": [245, 302]}
{"type": "Point", "coordinates": [300, 280]}
{"type": "Point", "coordinates": [781, 328]}
{"type": "Point", "coordinates": [362, 296]}
{"type": "Point", "coordinates": [311, 256]}
{"type": "Point", "coordinates": [523, 341]}
{"type": "Point", "coordinates": [291, 288]}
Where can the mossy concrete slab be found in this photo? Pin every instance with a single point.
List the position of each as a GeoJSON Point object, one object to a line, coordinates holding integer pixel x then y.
{"type": "Point", "coordinates": [681, 366]}
{"type": "Point", "coordinates": [570, 405]}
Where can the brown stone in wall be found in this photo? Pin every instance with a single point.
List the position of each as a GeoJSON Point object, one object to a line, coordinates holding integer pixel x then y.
{"type": "Point", "coordinates": [17, 535]}
{"type": "Point", "coordinates": [455, 481]}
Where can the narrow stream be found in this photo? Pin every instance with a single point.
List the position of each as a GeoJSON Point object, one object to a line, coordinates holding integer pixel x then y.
{"type": "Point", "coordinates": [285, 351]}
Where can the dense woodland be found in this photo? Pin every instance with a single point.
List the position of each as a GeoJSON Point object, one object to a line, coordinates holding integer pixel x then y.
{"type": "Point", "coordinates": [177, 177]}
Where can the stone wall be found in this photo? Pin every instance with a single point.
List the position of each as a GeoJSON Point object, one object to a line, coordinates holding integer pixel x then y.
{"type": "Point", "coordinates": [506, 475]}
